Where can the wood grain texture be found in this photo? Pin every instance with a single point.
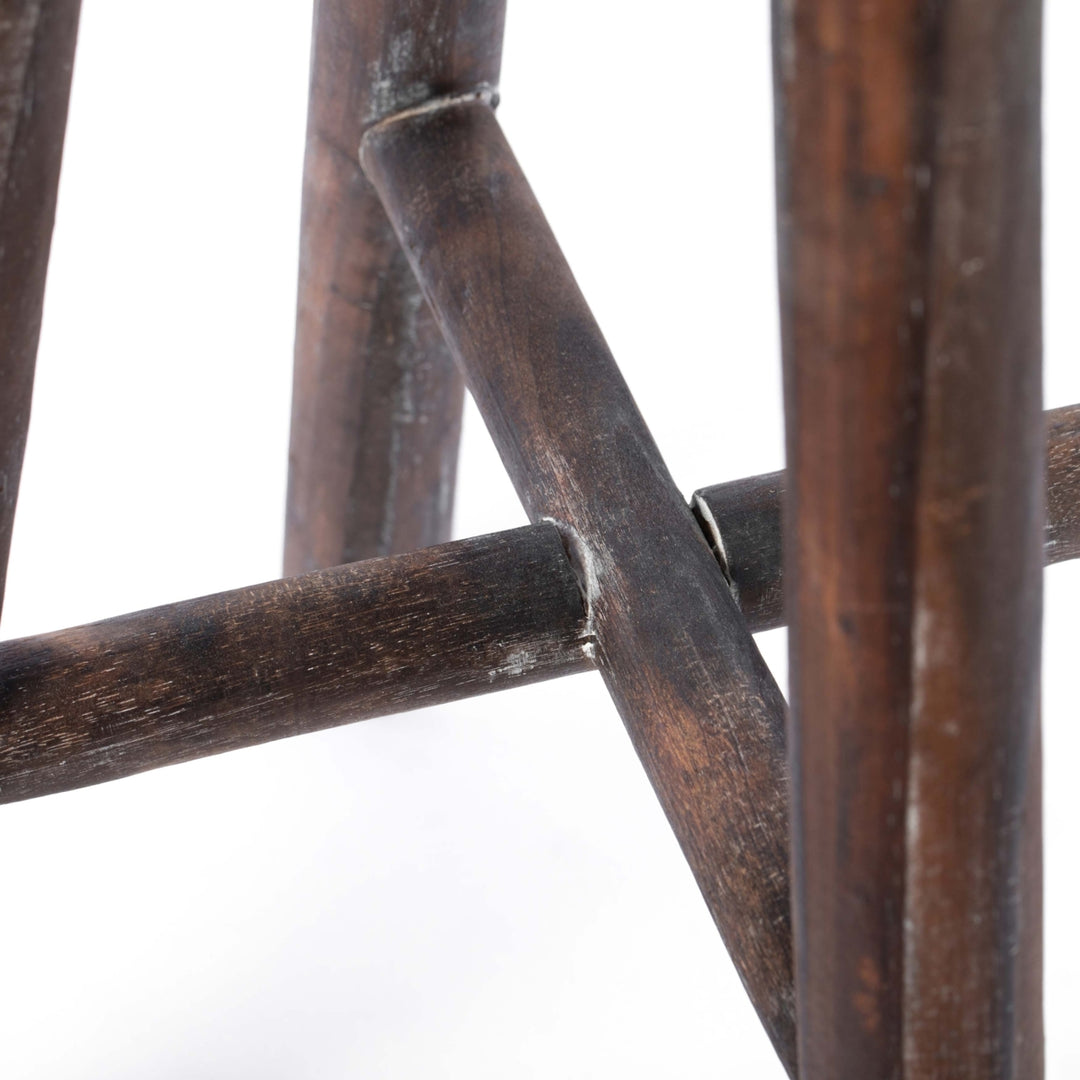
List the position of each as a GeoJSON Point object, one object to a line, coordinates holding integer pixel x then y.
{"type": "Point", "coordinates": [376, 396]}
{"type": "Point", "coordinates": [908, 143]}
{"type": "Point", "coordinates": [159, 687]}
{"type": "Point", "coordinates": [70, 684]}
{"type": "Point", "coordinates": [979, 523]}
{"type": "Point", "coordinates": [743, 520]}
{"type": "Point", "coordinates": [37, 49]}
{"type": "Point", "coordinates": [703, 712]}
{"type": "Point", "coordinates": [1063, 484]}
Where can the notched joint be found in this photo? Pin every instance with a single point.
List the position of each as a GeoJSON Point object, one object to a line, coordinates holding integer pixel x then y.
{"type": "Point", "coordinates": [711, 528]}
{"type": "Point", "coordinates": [483, 93]}
{"type": "Point", "coordinates": [583, 564]}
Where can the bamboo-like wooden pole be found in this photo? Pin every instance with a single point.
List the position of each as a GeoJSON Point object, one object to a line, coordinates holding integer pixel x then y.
{"type": "Point", "coordinates": [37, 50]}
{"type": "Point", "coordinates": [973, 902]}
{"type": "Point", "coordinates": [703, 712]}
{"type": "Point", "coordinates": [743, 521]}
{"type": "Point", "coordinates": [204, 676]}
{"type": "Point", "coordinates": [908, 147]}
{"type": "Point", "coordinates": [376, 396]}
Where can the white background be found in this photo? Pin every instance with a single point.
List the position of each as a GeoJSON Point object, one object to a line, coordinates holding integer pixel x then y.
{"type": "Point", "coordinates": [485, 890]}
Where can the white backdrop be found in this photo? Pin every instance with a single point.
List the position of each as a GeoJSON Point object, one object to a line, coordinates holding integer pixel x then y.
{"type": "Point", "coordinates": [484, 890]}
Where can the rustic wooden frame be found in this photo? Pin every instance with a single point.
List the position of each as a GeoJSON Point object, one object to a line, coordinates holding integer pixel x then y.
{"type": "Point", "coordinates": [903, 511]}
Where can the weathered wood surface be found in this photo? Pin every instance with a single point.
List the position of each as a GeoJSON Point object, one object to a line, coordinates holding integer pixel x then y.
{"type": "Point", "coordinates": [37, 49]}
{"type": "Point", "coordinates": [747, 516]}
{"type": "Point", "coordinates": [175, 683]}
{"type": "Point", "coordinates": [973, 1003]}
{"type": "Point", "coordinates": [77, 694]}
{"type": "Point", "coordinates": [703, 712]}
{"type": "Point", "coordinates": [908, 147]}
{"type": "Point", "coordinates": [376, 396]}
{"type": "Point", "coordinates": [742, 520]}
{"type": "Point", "coordinates": [78, 686]}
{"type": "Point", "coordinates": [1063, 484]}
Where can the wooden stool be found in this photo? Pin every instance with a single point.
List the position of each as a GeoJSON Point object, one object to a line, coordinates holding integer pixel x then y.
{"type": "Point", "coordinates": [873, 860]}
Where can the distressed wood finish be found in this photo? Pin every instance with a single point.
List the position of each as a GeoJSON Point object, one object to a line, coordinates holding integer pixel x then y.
{"type": "Point", "coordinates": [701, 708]}
{"type": "Point", "coordinates": [37, 48]}
{"type": "Point", "coordinates": [1063, 484]}
{"type": "Point", "coordinates": [979, 522]}
{"type": "Point", "coordinates": [376, 396]}
{"type": "Point", "coordinates": [71, 692]}
{"type": "Point", "coordinates": [743, 521]}
{"type": "Point", "coordinates": [908, 144]}
{"type": "Point", "coordinates": [180, 682]}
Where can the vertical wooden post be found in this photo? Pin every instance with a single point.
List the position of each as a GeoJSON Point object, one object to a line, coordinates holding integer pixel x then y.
{"type": "Point", "coordinates": [909, 203]}
{"type": "Point", "coordinates": [376, 397]}
{"type": "Point", "coordinates": [37, 49]}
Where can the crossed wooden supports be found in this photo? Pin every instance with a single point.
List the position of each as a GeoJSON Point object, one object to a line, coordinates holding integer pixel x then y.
{"type": "Point", "coordinates": [909, 166]}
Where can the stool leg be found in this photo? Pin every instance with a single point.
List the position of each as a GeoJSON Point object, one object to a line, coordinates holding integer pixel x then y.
{"type": "Point", "coordinates": [37, 49]}
{"type": "Point", "coordinates": [700, 706]}
{"type": "Point", "coordinates": [376, 397]}
{"type": "Point", "coordinates": [909, 143]}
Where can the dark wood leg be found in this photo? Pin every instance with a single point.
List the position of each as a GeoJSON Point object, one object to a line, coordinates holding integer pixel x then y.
{"type": "Point", "coordinates": [699, 703]}
{"type": "Point", "coordinates": [909, 156]}
{"type": "Point", "coordinates": [376, 396]}
{"type": "Point", "coordinates": [1063, 484]}
{"type": "Point", "coordinates": [37, 49]}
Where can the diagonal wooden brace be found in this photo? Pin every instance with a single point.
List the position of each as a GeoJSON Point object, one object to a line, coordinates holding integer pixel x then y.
{"type": "Point", "coordinates": [698, 701]}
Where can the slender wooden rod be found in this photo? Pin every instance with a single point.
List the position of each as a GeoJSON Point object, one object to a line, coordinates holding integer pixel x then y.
{"type": "Point", "coordinates": [376, 396]}
{"type": "Point", "coordinates": [37, 50]}
{"type": "Point", "coordinates": [973, 914]}
{"type": "Point", "coordinates": [180, 682]}
{"type": "Point", "coordinates": [135, 692]}
{"type": "Point", "coordinates": [743, 521]}
{"type": "Point", "coordinates": [909, 199]}
{"type": "Point", "coordinates": [703, 712]}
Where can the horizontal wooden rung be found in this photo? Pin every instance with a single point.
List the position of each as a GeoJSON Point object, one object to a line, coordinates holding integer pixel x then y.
{"type": "Point", "coordinates": [746, 514]}
{"type": "Point", "coordinates": [183, 681]}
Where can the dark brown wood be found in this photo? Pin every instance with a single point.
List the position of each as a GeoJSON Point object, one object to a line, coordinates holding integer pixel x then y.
{"type": "Point", "coordinates": [69, 683]}
{"type": "Point", "coordinates": [909, 149]}
{"type": "Point", "coordinates": [201, 677]}
{"type": "Point", "coordinates": [980, 522]}
{"type": "Point", "coordinates": [743, 521]}
{"type": "Point", "coordinates": [699, 703]}
{"type": "Point", "coordinates": [1063, 484]}
{"type": "Point", "coordinates": [1029, 1037]}
{"type": "Point", "coordinates": [37, 48]}
{"type": "Point", "coordinates": [376, 396]}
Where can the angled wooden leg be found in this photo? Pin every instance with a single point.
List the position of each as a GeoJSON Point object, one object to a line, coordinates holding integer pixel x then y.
{"type": "Point", "coordinates": [909, 149]}
{"type": "Point", "coordinates": [376, 396]}
{"type": "Point", "coordinates": [37, 48]}
{"type": "Point", "coordinates": [701, 708]}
